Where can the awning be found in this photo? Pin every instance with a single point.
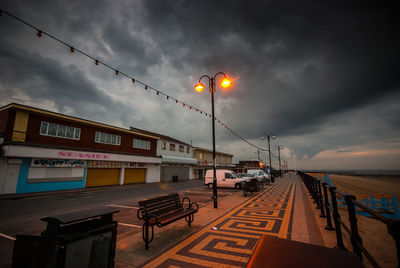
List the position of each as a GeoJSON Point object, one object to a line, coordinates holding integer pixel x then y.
{"type": "Point", "coordinates": [178, 160]}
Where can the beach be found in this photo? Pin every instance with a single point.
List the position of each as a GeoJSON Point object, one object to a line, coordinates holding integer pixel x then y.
{"type": "Point", "coordinates": [374, 233]}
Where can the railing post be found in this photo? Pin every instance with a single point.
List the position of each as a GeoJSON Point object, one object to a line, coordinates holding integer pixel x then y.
{"type": "Point", "coordinates": [336, 219]}
{"type": "Point", "coordinates": [314, 192]}
{"type": "Point", "coordinates": [328, 211]}
{"type": "Point", "coordinates": [394, 231]}
{"type": "Point", "coordinates": [354, 236]}
{"type": "Point", "coordinates": [321, 204]}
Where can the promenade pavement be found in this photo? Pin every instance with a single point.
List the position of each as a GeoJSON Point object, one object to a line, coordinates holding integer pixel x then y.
{"type": "Point", "coordinates": [227, 236]}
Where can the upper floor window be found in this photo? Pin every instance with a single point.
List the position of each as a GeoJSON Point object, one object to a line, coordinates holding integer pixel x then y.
{"type": "Point", "coordinates": [61, 131]}
{"type": "Point", "coordinates": [107, 138]}
{"type": "Point", "coordinates": [188, 150]}
{"type": "Point", "coordinates": [172, 147]}
{"type": "Point", "coordinates": [181, 148]}
{"type": "Point", "coordinates": [201, 155]}
{"type": "Point", "coordinates": [163, 145]}
{"type": "Point", "coordinates": [141, 144]}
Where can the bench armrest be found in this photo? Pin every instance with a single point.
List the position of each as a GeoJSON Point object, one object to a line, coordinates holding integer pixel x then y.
{"type": "Point", "coordinates": [140, 214]}
{"type": "Point", "coordinates": [183, 201]}
{"type": "Point", "coordinates": [190, 203]}
{"type": "Point", "coordinates": [194, 203]}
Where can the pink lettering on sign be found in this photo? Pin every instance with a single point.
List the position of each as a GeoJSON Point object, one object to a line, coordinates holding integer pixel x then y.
{"type": "Point", "coordinates": [83, 155]}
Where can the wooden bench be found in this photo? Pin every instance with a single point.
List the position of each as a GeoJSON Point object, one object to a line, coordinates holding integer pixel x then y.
{"type": "Point", "coordinates": [162, 211]}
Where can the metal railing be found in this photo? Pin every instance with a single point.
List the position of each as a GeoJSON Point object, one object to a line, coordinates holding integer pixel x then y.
{"type": "Point", "coordinates": [329, 210]}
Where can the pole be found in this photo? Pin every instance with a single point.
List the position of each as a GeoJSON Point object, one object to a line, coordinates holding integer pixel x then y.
{"type": "Point", "coordinates": [269, 151]}
{"type": "Point", "coordinates": [279, 157]}
{"type": "Point", "coordinates": [212, 89]}
{"type": "Point", "coordinates": [258, 151]}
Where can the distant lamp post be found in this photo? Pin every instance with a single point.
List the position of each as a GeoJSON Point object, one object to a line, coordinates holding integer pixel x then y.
{"type": "Point", "coordinates": [279, 157]}
{"type": "Point", "coordinates": [225, 83]}
{"type": "Point", "coordinates": [268, 137]}
{"type": "Point", "coordinates": [1, 139]}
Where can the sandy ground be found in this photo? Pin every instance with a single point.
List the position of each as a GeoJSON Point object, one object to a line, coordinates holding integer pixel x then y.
{"type": "Point", "coordinates": [373, 232]}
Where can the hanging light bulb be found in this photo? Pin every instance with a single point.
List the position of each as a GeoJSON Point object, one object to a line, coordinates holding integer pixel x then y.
{"type": "Point", "coordinates": [96, 62]}
{"type": "Point", "coordinates": [133, 80]}
{"type": "Point", "coordinates": [72, 49]}
{"type": "Point", "coordinates": [145, 87]}
{"type": "Point", "coordinates": [116, 72]}
{"type": "Point", "coordinates": [39, 33]}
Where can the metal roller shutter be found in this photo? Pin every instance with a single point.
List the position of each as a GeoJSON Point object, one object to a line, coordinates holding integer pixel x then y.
{"type": "Point", "coordinates": [102, 176]}
{"type": "Point", "coordinates": [134, 175]}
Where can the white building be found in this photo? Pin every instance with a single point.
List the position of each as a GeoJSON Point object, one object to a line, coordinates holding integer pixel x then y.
{"type": "Point", "coordinates": [177, 161]}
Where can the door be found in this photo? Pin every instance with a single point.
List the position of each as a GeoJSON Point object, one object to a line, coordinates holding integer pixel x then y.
{"type": "Point", "coordinates": [226, 180]}
{"type": "Point", "coordinates": [9, 185]}
{"type": "Point", "coordinates": [134, 175]}
{"type": "Point", "coordinates": [102, 176]}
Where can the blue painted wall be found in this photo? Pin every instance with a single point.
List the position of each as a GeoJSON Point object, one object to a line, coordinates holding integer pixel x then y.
{"type": "Point", "coordinates": [24, 187]}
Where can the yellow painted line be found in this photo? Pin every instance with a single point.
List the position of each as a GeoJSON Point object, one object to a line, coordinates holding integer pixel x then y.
{"type": "Point", "coordinates": [129, 225]}
{"type": "Point", "coordinates": [286, 219]}
{"type": "Point", "coordinates": [7, 236]}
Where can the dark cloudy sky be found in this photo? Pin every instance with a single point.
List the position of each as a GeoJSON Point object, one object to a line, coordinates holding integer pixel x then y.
{"type": "Point", "coordinates": [323, 76]}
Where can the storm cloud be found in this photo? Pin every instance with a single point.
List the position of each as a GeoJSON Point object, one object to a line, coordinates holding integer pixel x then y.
{"type": "Point", "coordinates": [321, 76]}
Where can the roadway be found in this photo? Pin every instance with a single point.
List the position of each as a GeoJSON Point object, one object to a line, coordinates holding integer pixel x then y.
{"type": "Point", "coordinates": [22, 215]}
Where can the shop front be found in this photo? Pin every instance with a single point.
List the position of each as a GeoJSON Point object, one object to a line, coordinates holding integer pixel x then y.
{"type": "Point", "coordinates": [33, 169]}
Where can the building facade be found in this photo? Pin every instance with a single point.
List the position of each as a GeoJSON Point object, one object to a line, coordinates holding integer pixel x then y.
{"type": "Point", "coordinates": [177, 161]}
{"type": "Point", "coordinates": [204, 159]}
{"type": "Point", "coordinates": [47, 151]}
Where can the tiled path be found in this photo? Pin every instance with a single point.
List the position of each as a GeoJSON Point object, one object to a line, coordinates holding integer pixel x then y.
{"type": "Point", "coordinates": [230, 240]}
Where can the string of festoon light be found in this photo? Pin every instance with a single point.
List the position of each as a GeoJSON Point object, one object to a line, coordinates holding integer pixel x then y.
{"type": "Point", "coordinates": [74, 49]}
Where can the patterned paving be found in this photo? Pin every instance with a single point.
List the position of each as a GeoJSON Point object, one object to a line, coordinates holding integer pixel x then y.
{"type": "Point", "coordinates": [237, 232]}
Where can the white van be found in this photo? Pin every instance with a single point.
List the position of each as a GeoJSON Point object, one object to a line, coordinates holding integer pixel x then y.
{"type": "Point", "coordinates": [225, 178]}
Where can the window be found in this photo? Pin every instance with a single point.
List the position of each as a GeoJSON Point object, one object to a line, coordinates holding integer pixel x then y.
{"type": "Point", "coordinates": [141, 144]}
{"type": "Point", "coordinates": [172, 147]}
{"type": "Point", "coordinates": [163, 145]}
{"type": "Point", "coordinates": [107, 138]}
{"type": "Point", "coordinates": [228, 176]}
{"type": "Point", "coordinates": [61, 131]}
{"type": "Point", "coordinates": [201, 155]}
{"type": "Point", "coordinates": [188, 150]}
{"type": "Point", "coordinates": [181, 148]}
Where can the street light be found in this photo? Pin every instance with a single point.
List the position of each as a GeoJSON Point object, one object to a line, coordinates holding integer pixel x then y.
{"type": "Point", "coordinates": [225, 83]}
{"type": "Point", "coordinates": [279, 157]}
{"type": "Point", "coordinates": [269, 136]}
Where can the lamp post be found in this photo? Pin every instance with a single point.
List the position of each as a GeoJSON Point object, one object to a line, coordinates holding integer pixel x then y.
{"type": "Point", "coordinates": [279, 157]}
{"type": "Point", "coordinates": [225, 83]}
{"type": "Point", "coordinates": [269, 136]}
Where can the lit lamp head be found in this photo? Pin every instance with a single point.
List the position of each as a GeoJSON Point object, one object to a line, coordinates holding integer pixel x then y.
{"type": "Point", "coordinates": [199, 87]}
{"type": "Point", "coordinates": [226, 82]}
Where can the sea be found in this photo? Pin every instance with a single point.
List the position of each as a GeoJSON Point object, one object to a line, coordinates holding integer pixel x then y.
{"type": "Point", "coordinates": [359, 172]}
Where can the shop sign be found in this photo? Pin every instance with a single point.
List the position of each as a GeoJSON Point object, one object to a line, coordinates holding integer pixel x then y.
{"type": "Point", "coordinates": [14, 161]}
{"type": "Point", "coordinates": [82, 155]}
{"type": "Point", "coordinates": [58, 163]}
{"type": "Point", "coordinates": [104, 164]}
{"type": "Point", "coordinates": [136, 165]}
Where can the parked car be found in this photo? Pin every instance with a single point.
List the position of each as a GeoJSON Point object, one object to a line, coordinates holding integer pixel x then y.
{"type": "Point", "coordinates": [244, 175]}
{"type": "Point", "coordinates": [260, 175]}
{"type": "Point", "coordinates": [225, 178]}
